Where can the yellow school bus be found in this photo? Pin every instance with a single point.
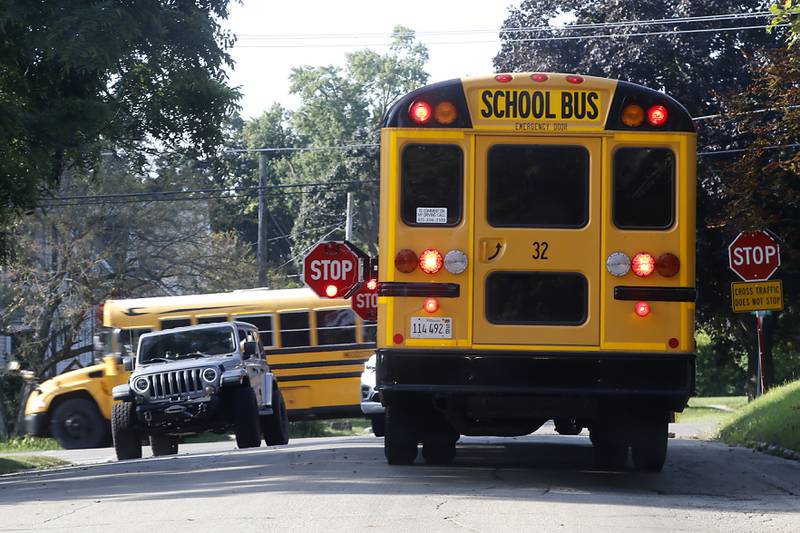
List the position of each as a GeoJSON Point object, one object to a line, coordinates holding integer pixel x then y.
{"type": "Point", "coordinates": [315, 347]}
{"type": "Point", "coordinates": [537, 263]}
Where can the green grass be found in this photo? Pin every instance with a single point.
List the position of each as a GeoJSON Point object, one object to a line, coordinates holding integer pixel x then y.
{"type": "Point", "coordinates": [712, 408]}
{"type": "Point", "coordinates": [328, 428]}
{"type": "Point", "coordinates": [27, 444]}
{"type": "Point", "coordinates": [771, 420]}
{"type": "Point", "coordinates": [15, 464]}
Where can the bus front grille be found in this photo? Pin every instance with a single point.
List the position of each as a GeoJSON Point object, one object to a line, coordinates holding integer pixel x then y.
{"type": "Point", "coordinates": [177, 382]}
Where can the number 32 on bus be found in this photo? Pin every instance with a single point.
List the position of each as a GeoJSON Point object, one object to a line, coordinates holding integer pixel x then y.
{"type": "Point", "coordinates": [537, 263]}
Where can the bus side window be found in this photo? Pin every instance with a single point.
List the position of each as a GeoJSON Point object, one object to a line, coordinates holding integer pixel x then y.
{"type": "Point", "coordinates": [369, 331]}
{"type": "Point", "coordinates": [644, 188]}
{"type": "Point", "coordinates": [432, 184]}
{"type": "Point", "coordinates": [295, 330]}
{"type": "Point", "coordinates": [169, 323]}
{"type": "Point", "coordinates": [264, 325]}
{"type": "Point", "coordinates": [336, 326]}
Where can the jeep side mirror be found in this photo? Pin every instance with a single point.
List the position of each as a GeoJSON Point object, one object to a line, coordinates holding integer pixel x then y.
{"type": "Point", "coordinates": [250, 348]}
{"type": "Point", "coordinates": [129, 363]}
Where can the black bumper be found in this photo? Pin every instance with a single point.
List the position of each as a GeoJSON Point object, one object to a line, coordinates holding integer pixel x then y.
{"type": "Point", "coordinates": [36, 425]}
{"type": "Point", "coordinates": [669, 378]}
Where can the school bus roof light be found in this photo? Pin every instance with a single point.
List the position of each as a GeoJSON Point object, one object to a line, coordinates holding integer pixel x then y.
{"type": "Point", "coordinates": [445, 113]}
{"type": "Point", "coordinates": [406, 261]}
{"type": "Point", "coordinates": [643, 264]}
{"type": "Point", "coordinates": [539, 77]}
{"type": "Point", "coordinates": [572, 78]}
{"type": "Point", "coordinates": [657, 115]}
{"type": "Point", "coordinates": [504, 78]}
{"type": "Point", "coordinates": [420, 111]}
{"type": "Point", "coordinates": [633, 115]}
{"type": "Point", "coordinates": [642, 309]}
{"type": "Point", "coordinates": [431, 261]}
{"type": "Point", "coordinates": [668, 265]}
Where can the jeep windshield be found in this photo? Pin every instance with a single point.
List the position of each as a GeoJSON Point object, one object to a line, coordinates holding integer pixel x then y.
{"type": "Point", "coordinates": [190, 344]}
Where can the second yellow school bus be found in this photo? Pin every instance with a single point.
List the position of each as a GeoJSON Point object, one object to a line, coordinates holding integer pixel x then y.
{"type": "Point", "coordinates": [537, 262]}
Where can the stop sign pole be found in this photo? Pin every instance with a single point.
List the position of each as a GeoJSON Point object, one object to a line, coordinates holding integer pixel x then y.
{"type": "Point", "coordinates": [755, 256]}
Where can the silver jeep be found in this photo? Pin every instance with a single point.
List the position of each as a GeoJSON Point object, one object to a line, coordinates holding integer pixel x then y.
{"type": "Point", "coordinates": [193, 379]}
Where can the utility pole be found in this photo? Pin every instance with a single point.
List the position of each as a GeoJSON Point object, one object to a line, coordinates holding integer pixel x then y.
{"type": "Point", "coordinates": [348, 225]}
{"type": "Point", "coordinates": [261, 254]}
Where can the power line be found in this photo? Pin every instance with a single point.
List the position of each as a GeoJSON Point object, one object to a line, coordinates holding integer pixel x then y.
{"type": "Point", "coordinates": [752, 149]}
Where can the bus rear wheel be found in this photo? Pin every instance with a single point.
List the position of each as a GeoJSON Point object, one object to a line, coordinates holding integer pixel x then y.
{"type": "Point", "coordinates": [610, 446]}
{"type": "Point", "coordinates": [649, 446]}
{"type": "Point", "coordinates": [400, 442]}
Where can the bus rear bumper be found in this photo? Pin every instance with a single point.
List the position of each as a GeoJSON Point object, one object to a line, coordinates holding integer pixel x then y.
{"type": "Point", "coordinates": [565, 381]}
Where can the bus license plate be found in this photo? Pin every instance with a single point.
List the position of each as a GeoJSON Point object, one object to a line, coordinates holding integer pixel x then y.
{"type": "Point", "coordinates": [431, 327]}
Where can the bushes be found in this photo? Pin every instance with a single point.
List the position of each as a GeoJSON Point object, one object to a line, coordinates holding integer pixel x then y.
{"type": "Point", "coordinates": [10, 390]}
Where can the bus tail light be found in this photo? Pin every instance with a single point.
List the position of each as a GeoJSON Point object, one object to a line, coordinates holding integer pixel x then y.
{"type": "Point", "coordinates": [445, 113]}
{"type": "Point", "coordinates": [455, 261]}
{"type": "Point", "coordinates": [618, 264]}
{"type": "Point", "coordinates": [643, 264]}
{"type": "Point", "coordinates": [431, 305]}
{"type": "Point", "coordinates": [632, 115]}
{"type": "Point", "coordinates": [420, 111]}
{"type": "Point", "coordinates": [668, 265]}
{"type": "Point", "coordinates": [642, 309]}
{"type": "Point", "coordinates": [406, 261]}
{"type": "Point", "coordinates": [431, 261]}
{"type": "Point", "coordinates": [657, 115]}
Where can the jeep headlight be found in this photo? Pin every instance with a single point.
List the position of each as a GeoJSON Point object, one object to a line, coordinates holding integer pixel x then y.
{"type": "Point", "coordinates": [141, 385]}
{"type": "Point", "coordinates": [210, 375]}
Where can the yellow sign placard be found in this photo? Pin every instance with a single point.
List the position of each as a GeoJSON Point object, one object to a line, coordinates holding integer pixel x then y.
{"type": "Point", "coordinates": [757, 296]}
{"type": "Point", "coordinates": [540, 105]}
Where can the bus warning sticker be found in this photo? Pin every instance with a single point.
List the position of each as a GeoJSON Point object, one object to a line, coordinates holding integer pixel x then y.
{"type": "Point", "coordinates": [431, 215]}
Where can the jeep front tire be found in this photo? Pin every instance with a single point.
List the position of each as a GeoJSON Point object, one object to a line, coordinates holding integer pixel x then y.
{"type": "Point", "coordinates": [124, 432]}
{"type": "Point", "coordinates": [246, 424]}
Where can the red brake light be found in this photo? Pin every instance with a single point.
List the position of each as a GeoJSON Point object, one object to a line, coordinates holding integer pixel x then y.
{"type": "Point", "coordinates": [431, 305]}
{"type": "Point", "coordinates": [657, 115]}
{"type": "Point", "coordinates": [504, 78]}
{"type": "Point", "coordinates": [539, 77]}
{"type": "Point", "coordinates": [643, 264]}
{"type": "Point", "coordinates": [642, 309]}
{"type": "Point", "coordinates": [420, 112]}
{"type": "Point", "coordinates": [331, 291]}
{"type": "Point", "coordinates": [574, 79]}
{"type": "Point", "coordinates": [668, 265]}
{"type": "Point", "coordinates": [431, 261]}
{"type": "Point", "coordinates": [406, 261]}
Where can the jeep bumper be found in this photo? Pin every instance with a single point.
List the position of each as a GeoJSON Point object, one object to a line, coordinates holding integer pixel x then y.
{"type": "Point", "coordinates": [36, 425]}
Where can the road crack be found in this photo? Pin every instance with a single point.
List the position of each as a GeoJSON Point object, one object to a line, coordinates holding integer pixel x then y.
{"type": "Point", "coordinates": [72, 511]}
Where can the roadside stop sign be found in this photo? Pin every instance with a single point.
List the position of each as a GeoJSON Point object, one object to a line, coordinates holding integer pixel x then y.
{"type": "Point", "coordinates": [333, 268]}
{"type": "Point", "coordinates": [365, 301]}
{"type": "Point", "coordinates": [754, 255]}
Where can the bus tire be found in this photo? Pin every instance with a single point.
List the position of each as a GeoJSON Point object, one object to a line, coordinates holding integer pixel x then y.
{"type": "Point", "coordinates": [163, 445]}
{"type": "Point", "coordinates": [246, 423]}
{"type": "Point", "coordinates": [439, 451]}
{"type": "Point", "coordinates": [567, 426]}
{"type": "Point", "coordinates": [610, 447]}
{"type": "Point", "coordinates": [77, 423]}
{"type": "Point", "coordinates": [378, 423]}
{"type": "Point", "coordinates": [127, 442]}
{"type": "Point", "coordinates": [649, 446]}
{"type": "Point", "coordinates": [400, 442]}
{"type": "Point", "coordinates": [275, 427]}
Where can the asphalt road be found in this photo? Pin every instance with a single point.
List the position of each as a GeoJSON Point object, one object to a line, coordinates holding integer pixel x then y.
{"type": "Point", "coordinates": [542, 482]}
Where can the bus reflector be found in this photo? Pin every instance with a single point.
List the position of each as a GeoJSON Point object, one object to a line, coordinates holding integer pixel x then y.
{"type": "Point", "coordinates": [674, 343]}
{"type": "Point", "coordinates": [504, 78]}
{"type": "Point", "coordinates": [668, 265]}
{"type": "Point", "coordinates": [431, 305]}
{"type": "Point", "coordinates": [445, 113]}
{"type": "Point", "coordinates": [539, 77]}
{"type": "Point", "coordinates": [657, 115]}
{"type": "Point", "coordinates": [642, 309]}
{"type": "Point", "coordinates": [574, 79]}
{"type": "Point", "coordinates": [398, 338]}
{"type": "Point", "coordinates": [643, 264]}
{"type": "Point", "coordinates": [406, 261]}
{"type": "Point", "coordinates": [331, 291]}
{"type": "Point", "coordinates": [420, 112]}
{"type": "Point", "coordinates": [633, 115]}
{"type": "Point", "coordinates": [618, 264]}
{"type": "Point", "coordinates": [431, 261]}
{"type": "Point", "coordinates": [455, 261]}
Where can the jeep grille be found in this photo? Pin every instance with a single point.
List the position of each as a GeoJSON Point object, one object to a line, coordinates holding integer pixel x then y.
{"type": "Point", "coordinates": [177, 382]}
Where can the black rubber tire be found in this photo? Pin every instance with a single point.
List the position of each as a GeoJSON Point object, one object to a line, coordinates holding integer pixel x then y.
{"type": "Point", "coordinates": [567, 426]}
{"type": "Point", "coordinates": [77, 423]}
{"type": "Point", "coordinates": [439, 451]}
{"type": "Point", "coordinates": [610, 448]}
{"type": "Point", "coordinates": [275, 427]}
{"type": "Point", "coordinates": [378, 424]}
{"type": "Point", "coordinates": [400, 442]}
{"type": "Point", "coordinates": [649, 446]}
{"type": "Point", "coordinates": [247, 426]}
{"type": "Point", "coordinates": [163, 445]}
{"type": "Point", "coordinates": [127, 442]}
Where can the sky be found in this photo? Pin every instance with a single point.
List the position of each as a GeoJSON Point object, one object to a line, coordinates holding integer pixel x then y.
{"type": "Point", "coordinates": [273, 37]}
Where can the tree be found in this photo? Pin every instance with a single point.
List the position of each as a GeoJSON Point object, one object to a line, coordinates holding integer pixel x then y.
{"type": "Point", "coordinates": [702, 70]}
{"type": "Point", "coordinates": [787, 12]}
{"type": "Point", "coordinates": [78, 77]}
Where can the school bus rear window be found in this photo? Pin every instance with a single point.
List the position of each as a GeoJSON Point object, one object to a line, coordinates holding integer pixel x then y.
{"type": "Point", "coordinates": [644, 188]}
{"type": "Point", "coordinates": [538, 186]}
{"type": "Point", "coordinates": [527, 298]}
{"type": "Point", "coordinates": [432, 176]}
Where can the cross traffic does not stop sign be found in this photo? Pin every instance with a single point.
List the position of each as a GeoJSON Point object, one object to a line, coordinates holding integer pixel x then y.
{"type": "Point", "coordinates": [754, 255]}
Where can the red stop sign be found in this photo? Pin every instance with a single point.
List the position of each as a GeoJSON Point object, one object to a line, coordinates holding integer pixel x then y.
{"type": "Point", "coordinates": [332, 268]}
{"type": "Point", "coordinates": [365, 301]}
{"type": "Point", "coordinates": [754, 255]}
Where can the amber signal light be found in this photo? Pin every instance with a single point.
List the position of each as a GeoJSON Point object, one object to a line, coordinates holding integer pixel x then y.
{"type": "Point", "coordinates": [445, 113]}
{"type": "Point", "coordinates": [406, 261]}
{"type": "Point", "coordinates": [668, 265]}
{"type": "Point", "coordinates": [632, 115]}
